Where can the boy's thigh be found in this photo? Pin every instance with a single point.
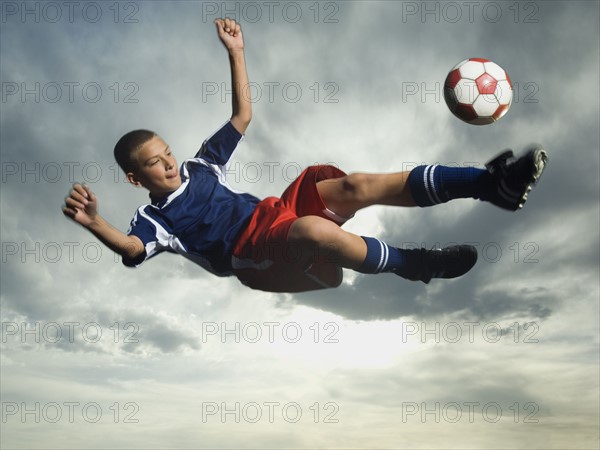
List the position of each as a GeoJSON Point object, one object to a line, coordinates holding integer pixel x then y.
{"type": "Point", "coordinates": [285, 266]}
{"type": "Point", "coordinates": [271, 262]}
{"type": "Point", "coordinates": [264, 257]}
{"type": "Point", "coordinates": [302, 195]}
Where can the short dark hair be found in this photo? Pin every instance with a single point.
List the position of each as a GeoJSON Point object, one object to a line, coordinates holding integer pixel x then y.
{"type": "Point", "coordinates": [128, 144]}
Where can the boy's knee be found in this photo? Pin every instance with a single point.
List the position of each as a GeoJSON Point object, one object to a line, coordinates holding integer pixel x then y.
{"type": "Point", "coordinates": [356, 186]}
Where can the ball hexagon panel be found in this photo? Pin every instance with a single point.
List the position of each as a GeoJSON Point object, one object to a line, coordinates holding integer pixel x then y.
{"type": "Point", "coordinates": [472, 69]}
{"type": "Point", "coordinates": [486, 105]}
{"type": "Point", "coordinates": [460, 64]}
{"type": "Point", "coordinates": [466, 91]}
{"type": "Point", "coordinates": [495, 70]}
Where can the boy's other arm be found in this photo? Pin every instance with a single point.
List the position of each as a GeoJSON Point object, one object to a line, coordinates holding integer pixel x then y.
{"type": "Point", "coordinates": [81, 206]}
{"type": "Point", "coordinates": [230, 33]}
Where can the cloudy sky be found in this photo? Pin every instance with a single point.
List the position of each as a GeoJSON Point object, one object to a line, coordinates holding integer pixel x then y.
{"type": "Point", "coordinates": [95, 355]}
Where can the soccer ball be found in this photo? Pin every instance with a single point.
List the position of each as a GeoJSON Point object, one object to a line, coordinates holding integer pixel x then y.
{"type": "Point", "coordinates": [478, 91]}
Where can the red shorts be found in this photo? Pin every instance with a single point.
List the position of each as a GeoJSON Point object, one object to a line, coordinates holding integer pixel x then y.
{"type": "Point", "coordinates": [263, 259]}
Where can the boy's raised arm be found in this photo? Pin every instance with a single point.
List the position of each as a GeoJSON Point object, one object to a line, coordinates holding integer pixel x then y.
{"type": "Point", "coordinates": [231, 36]}
{"type": "Point", "coordinates": [82, 207]}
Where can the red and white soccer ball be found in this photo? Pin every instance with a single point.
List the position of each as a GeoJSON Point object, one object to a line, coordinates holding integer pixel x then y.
{"type": "Point", "coordinates": [478, 91]}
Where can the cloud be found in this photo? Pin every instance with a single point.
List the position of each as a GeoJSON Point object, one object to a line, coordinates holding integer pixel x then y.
{"type": "Point", "coordinates": [539, 265]}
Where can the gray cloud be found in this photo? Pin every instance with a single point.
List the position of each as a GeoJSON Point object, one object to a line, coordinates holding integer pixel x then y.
{"type": "Point", "coordinates": [374, 51]}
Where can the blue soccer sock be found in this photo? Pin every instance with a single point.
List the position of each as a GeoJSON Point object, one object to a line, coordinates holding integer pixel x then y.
{"type": "Point", "coordinates": [434, 184]}
{"type": "Point", "coordinates": [384, 258]}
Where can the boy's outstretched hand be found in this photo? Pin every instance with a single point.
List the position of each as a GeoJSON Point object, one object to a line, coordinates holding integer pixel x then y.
{"type": "Point", "coordinates": [230, 33]}
{"type": "Point", "coordinates": [81, 205]}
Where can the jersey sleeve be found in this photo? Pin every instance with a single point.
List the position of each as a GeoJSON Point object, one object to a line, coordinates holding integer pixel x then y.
{"type": "Point", "coordinates": [149, 232]}
{"type": "Point", "coordinates": [219, 147]}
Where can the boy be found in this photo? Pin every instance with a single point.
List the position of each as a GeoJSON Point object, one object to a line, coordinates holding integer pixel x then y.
{"type": "Point", "coordinates": [293, 243]}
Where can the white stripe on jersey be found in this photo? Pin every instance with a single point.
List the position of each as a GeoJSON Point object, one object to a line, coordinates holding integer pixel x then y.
{"type": "Point", "coordinates": [165, 240]}
{"type": "Point", "coordinates": [162, 236]}
{"type": "Point", "coordinates": [218, 170]}
{"type": "Point", "coordinates": [173, 195]}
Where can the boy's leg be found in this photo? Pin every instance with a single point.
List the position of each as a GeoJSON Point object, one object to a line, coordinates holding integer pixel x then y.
{"type": "Point", "coordinates": [348, 194]}
{"type": "Point", "coordinates": [505, 182]}
{"type": "Point", "coordinates": [317, 237]}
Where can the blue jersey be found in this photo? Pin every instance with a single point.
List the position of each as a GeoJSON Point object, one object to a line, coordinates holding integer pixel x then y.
{"type": "Point", "coordinates": [203, 218]}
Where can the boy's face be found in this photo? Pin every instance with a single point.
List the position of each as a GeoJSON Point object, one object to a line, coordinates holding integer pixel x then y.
{"type": "Point", "coordinates": [156, 168]}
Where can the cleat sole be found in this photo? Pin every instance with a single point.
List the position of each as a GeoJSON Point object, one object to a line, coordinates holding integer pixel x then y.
{"type": "Point", "coordinates": [539, 159]}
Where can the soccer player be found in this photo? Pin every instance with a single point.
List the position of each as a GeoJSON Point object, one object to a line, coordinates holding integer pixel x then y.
{"type": "Point", "coordinates": [293, 242]}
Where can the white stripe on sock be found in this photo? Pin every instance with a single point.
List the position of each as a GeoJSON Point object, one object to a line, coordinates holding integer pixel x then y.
{"type": "Point", "coordinates": [386, 257]}
{"type": "Point", "coordinates": [426, 184]}
{"type": "Point", "coordinates": [432, 184]}
{"type": "Point", "coordinates": [378, 268]}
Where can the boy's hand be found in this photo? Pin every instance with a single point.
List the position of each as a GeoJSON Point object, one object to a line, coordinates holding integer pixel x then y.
{"type": "Point", "coordinates": [81, 205]}
{"type": "Point", "coordinates": [230, 33]}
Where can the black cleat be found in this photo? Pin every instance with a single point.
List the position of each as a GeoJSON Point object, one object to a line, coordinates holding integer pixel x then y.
{"type": "Point", "coordinates": [513, 178]}
{"type": "Point", "coordinates": [449, 262]}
